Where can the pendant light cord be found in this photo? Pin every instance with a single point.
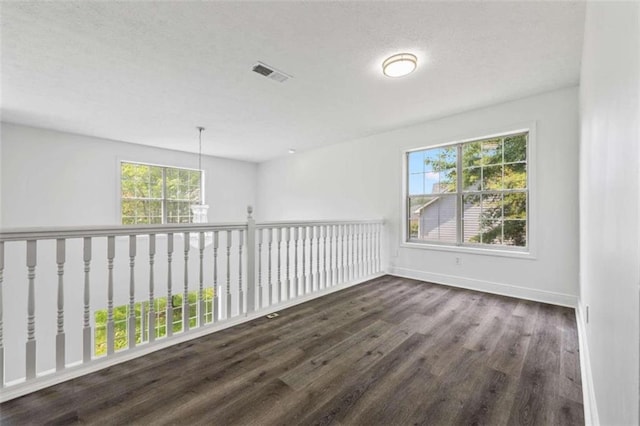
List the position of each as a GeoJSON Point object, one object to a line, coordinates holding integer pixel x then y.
{"type": "Point", "coordinates": [200, 129]}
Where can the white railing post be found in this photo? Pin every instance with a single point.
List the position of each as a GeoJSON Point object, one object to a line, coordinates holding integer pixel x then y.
{"type": "Point", "coordinates": [31, 310]}
{"type": "Point", "coordinates": [152, 309]}
{"type": "Point", "coordinates": [60, 339]}
{"type": "Point", "coordinates": [131, 329]}
{"type": "Point", "coordinates": [251, 261]}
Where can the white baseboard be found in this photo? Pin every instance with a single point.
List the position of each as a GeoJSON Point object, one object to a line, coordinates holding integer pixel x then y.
{"type": "Point", "coordinates": [588, 393]}
{"type": "Point", "coordinates": [72, 371]}
{"type": "Point", "coordinates": [488, 287]}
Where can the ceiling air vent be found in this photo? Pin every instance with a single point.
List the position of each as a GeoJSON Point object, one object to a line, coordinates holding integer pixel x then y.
{"type": "Point", "coordinates": [270, 72]}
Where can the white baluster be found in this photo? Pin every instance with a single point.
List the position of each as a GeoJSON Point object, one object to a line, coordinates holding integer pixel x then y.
{"type": "Point", "coordinates": [60, 337]}
{"type": "Point", "coordinates": [330, 230]}
{"type": "Point", "coordinates": [279, 264]}
{"type": "Point", "coordinates": [346, 252]}
{"type": "Point", "coordinates": [152, 309]}
{"type": "Point", "coordinates": [355, 251]}
{"type": "Point", "coordinates": [317, 233]}
{"type": "Point", "coordinates": [201, 307]}
{"type": "Point", "coordinates": [86, 329]}
{"type": "Point", "coordinates": [31, 310]}
{"type": "Point", "coordinates": [1, 316]}
{"type": "Point", "coordinates": [357, 247]}
{"type": "Point", "coordinates": [294, 287]}
{"type": "Point", "coordinates": [169, 309]}
{"type": "Point", "coordinates": [228, 311]}
{"type": "Point", "coordinates": [367, 251]}
{"type": "Point", "coordinates": [303, 231]}
{"type": "Point", "coordinates": [111, 253]}
{"type": "Point", "coordinates": [216, 288]}
{"type": "Point", "coordinates": [285, 292]}
{"type": "Point", "coordinates": [132, 292]}
{"type": "Point", "coordinates": [324, 256]}
{"type": "Point", "coordinates": [360, 250]}
{"type": "Point", "coordinates": [311, 270]}
{"type": "Point", "coordinates": [260, 289]}
{"type": "Point", "coordinates": [185, 290]}
{"type": "Point", "coordinates": [352, 233]}
{"type": "Point", "coordinates": [378, 244]}
{"type": "Point", "coordinates": [365, 237]}
{"type": "Point", "coordinates": [342, 229]}
{"type": "Point", "coordinates": [270, 267]}
{"type": "Point", "coordinates": [240, 290]}
{"type": "Point", "coordinates": [370, 257]}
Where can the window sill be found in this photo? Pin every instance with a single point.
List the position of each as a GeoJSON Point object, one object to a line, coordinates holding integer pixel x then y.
{"type": "Point", "coordinates": [529, 255]}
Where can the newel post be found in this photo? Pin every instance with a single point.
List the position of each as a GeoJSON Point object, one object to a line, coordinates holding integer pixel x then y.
{"type": "Point", "coordinates": [251, 261]}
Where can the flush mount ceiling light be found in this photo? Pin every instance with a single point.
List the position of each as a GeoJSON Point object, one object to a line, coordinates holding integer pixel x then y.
{"type": "Point", "coordinates": [292, 151]}
{"type": "Point", "coordinates": [399, 65]}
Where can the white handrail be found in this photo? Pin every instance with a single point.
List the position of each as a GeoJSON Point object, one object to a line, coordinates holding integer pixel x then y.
{"type": "Point", "coordinates": [41, 233]}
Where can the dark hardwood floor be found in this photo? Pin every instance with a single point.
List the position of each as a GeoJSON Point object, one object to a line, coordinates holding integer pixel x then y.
{"type": "Point", "coordinates": [391, 351]}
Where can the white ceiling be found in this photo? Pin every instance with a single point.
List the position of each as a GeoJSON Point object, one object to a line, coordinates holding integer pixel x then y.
{"type": "Point", "coordinates": [150, 72]}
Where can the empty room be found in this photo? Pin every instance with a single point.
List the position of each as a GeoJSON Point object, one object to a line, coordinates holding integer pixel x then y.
{"type": "Point", "coordinates": [320, 212]}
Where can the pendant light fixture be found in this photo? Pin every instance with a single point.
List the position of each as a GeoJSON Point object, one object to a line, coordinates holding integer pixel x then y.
{"type": "Point", "coordinates": [200, 210]}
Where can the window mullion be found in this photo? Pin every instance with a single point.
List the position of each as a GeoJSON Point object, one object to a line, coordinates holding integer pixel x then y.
{"type": "Point", "coordinates": [164, 195]}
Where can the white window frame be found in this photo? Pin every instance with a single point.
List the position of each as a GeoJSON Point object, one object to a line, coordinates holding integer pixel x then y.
{"type": "Point", "coordinates": [529, 252]}
{"type": "Point", "coordinates": [164, 199]}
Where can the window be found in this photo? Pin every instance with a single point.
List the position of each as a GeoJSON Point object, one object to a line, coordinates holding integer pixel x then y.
{"type": "Point", "coordinates": [157, 194]}
{"type": "Point", "coordinates": [470, 194]}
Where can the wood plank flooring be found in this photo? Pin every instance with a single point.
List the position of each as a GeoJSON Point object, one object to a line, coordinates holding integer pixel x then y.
{"type": "Point", "coordinates": [391, 351]}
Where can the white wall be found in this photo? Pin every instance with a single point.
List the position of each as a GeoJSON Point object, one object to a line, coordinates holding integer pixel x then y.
{"type": "Point", "coordinates": [53, 178]}
{"type": "Point", "coordinates": [58, 179]}
{"type": "Point", "coordinates": [363, 179]}
{"type": "Point", "coordinates": [609, 212]}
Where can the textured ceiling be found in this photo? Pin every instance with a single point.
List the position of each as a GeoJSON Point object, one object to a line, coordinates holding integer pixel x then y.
{"type": "Point", "coordinates": [150, 72]}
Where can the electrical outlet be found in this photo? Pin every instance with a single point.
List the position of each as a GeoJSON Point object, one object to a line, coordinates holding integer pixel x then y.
{"type": "Point", "coordinates": [458, 261]}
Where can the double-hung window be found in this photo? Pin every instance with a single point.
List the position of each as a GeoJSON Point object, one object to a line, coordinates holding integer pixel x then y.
{"type": "Point", "coordinates": [472, 193]}
{"type": "Point", "coordinates": [152, 194]}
